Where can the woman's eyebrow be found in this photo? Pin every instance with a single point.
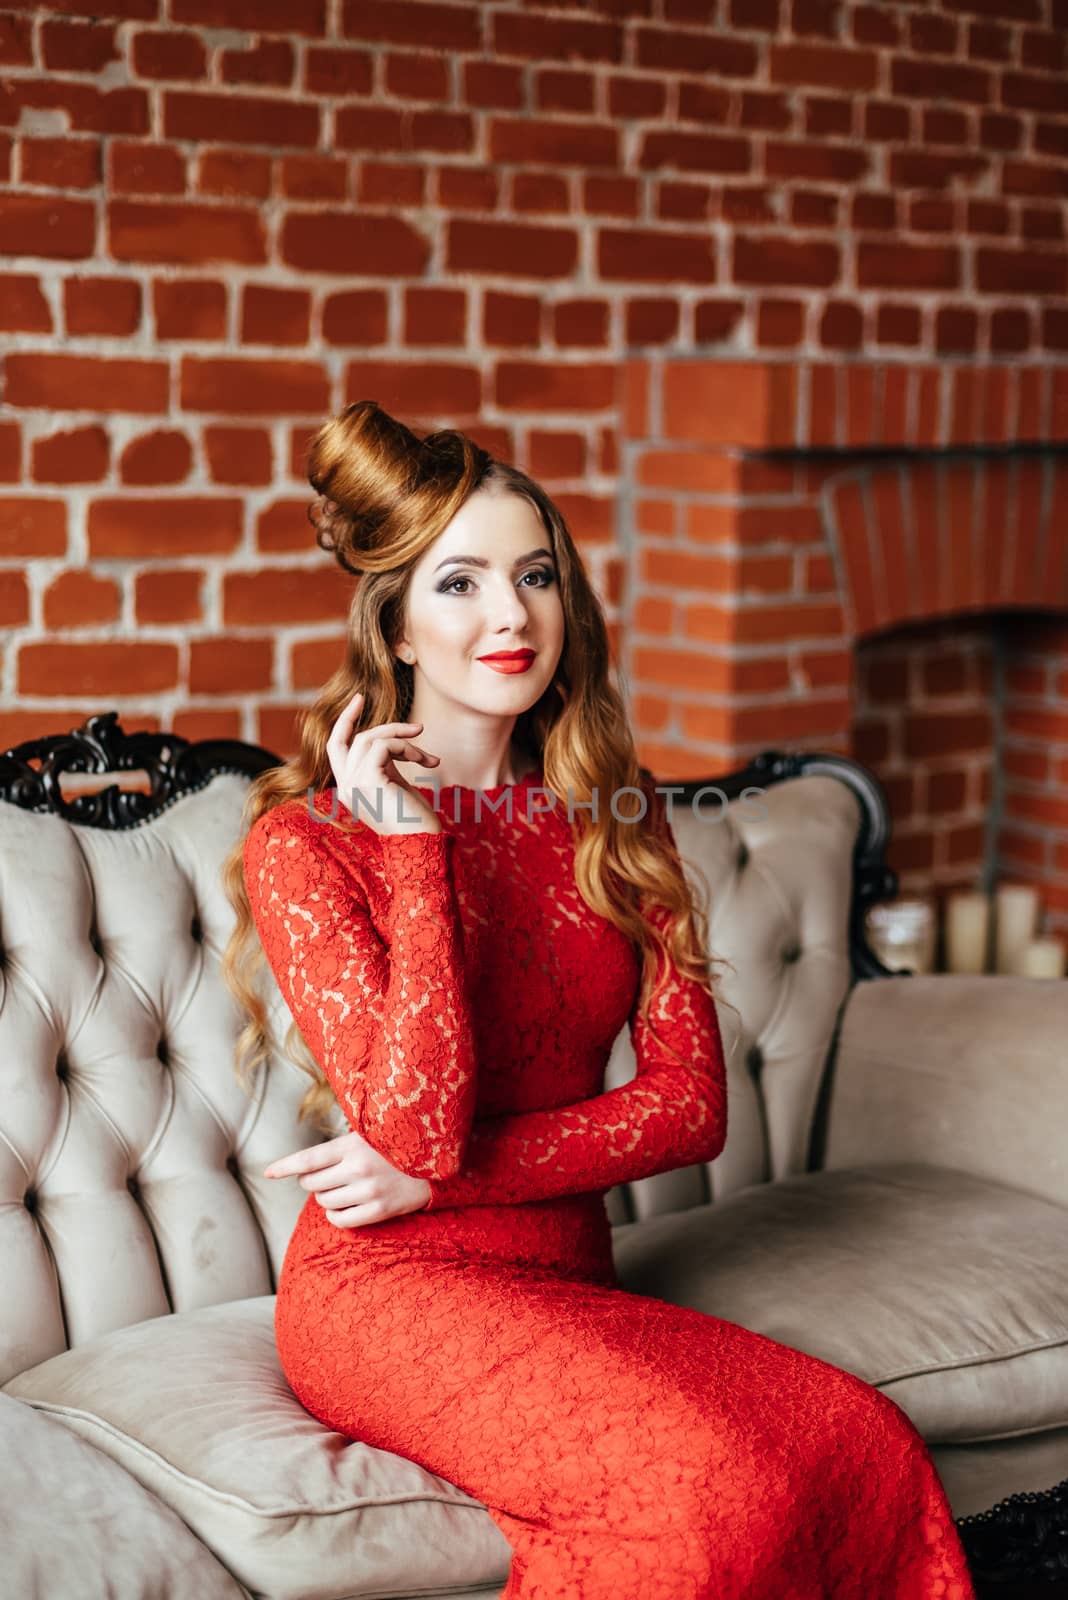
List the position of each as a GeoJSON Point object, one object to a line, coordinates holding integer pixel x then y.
{"type": "Point", "coordinates": [480, 561]}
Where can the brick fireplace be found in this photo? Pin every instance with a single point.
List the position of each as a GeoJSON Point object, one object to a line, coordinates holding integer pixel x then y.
{"type": "Point", "coordinates": [870, 558]}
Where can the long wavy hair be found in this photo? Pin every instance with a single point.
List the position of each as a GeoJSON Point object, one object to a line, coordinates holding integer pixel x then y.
{"type": "Point", "coordinates": [384, 495]}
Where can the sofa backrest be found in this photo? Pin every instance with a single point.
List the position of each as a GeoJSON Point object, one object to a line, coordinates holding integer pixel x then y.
{"type": "Point", "coordinates": [778, 874]}
{"type": "Point", "coordinates": [130, 1156]}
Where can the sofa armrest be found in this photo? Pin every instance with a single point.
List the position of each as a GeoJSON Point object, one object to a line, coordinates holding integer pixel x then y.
{"type": "Point", "coordinates": [954, 1071]}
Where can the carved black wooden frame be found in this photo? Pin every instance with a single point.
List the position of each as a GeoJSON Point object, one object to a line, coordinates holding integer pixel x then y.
{"type": "Point", "coordinates": [1022, 1539]}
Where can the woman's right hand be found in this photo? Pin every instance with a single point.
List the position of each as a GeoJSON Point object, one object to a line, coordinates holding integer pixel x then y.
{"type": "Point", "coordinates": [363, 766]}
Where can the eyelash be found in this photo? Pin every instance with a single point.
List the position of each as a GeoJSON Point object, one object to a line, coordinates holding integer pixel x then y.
{"type": "Point", "coordinates": [545, 572]}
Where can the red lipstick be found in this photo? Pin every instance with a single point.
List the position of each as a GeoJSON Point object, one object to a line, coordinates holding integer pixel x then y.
{"type": "Point", "coordinates": [509, 661]}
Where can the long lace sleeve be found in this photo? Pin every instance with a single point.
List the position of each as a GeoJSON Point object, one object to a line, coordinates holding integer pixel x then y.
{"type": "Point", "coordinates": [668, 1115]}
{"type": "Point", "coordinates": [389, 1026]}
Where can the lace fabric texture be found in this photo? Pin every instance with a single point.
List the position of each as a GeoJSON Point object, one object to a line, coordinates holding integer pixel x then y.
{"type": "Point", "coordinates": [463, 1000]}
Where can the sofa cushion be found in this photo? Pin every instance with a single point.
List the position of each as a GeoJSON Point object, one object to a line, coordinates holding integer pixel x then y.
{"type": "Point", "coordinates": [197, 1408]}
{"type": "Point", "coordinates": [74, 1523]}
{"type": "Point", "coordinates": [944, 1290]}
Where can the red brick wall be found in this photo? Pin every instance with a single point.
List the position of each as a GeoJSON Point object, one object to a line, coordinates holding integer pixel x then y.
{"type": "Point", "coordinates": [926, 723]}
{"type": "Point", "coordinates": [569, 230]}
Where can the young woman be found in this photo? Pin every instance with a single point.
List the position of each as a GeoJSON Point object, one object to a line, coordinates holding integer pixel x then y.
{"type": "Point", "coordinates": [458, 957]}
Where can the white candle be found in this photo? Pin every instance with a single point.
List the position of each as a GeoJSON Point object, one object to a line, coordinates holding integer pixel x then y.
{"type": "Point", "coordinates": [1041, 958]}
{"type": "Point", "coordinates": [1017, 918]}
{"type": "Point", "coordinates": [967, 927]}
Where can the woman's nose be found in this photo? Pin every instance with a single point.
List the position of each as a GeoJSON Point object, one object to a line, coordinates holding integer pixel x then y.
{"type": "Point", "coordinates": [506, 608]}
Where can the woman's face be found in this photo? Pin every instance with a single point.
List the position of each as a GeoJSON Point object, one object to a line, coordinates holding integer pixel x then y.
{"type": "Point", "coordinates": [488, 583]}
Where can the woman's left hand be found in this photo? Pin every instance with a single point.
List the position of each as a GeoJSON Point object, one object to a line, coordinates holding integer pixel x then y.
{"type": "Point", "coordinates": [352, 1181]}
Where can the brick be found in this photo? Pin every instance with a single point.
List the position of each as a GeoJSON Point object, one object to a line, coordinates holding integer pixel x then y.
{"type": "Point", "coordinates": [187, 234]}
{"type": "Point", "coordinates": [78, 455]}
{"type": "Point", "coordinates": [284, 525]}
{"type": "Point", "coordinates": [421, 388]}
{"type": "Point", "coordinates": [234, 172]}
{"type": "Point", "coordinates": [14, 599]}
{"type": "Point", "coordinates": [823, 66]}
{"type": "Point", "coordinates": [520, 248]}
{"type": "Point", "coordinates": [43, 225]}
{"type": "Point", "coordinates": [23, 307]}
{"type": "Point", "coordinates": [267, 62]}
{"type": "Point", "coordinates": [886, 264]}
{"type": "Point", "coordinates": [239, 455]}
{"type": "Point", "coordinates": [779, 324]}
{"type": "Point", "coordinates": [393, 183]}
{"type": "Point", "coordinates": [556, 90]}
{"type": "Point", "coordinates": [275, 316]}
{"type": "Point", "coordinates": [81, 599]}
{"type": "Point", "coordinates": [332, 70]}
{"type": "Point", "coordinates": [285, 595]}
{"type": "Point", "coordinates": [652, 256]}
{"type": "Point", "coordinates": [200, 722]}
{"type": "Point", "coordinates": [499, 85]}
{"type": "Point", "coordinates": [103, 667]}
{"type": "Point", "coordinates": [306, 17]}
{"type": "Point", "coordinates": [141, 528]}
{"type": "Point", "coordinates": [60, 163]}
{"type": "Point", "coordinates": [168, 595]}
{"type": "Point", "coordinates": [354, 245]}
{"type": "Point", "coordinates": [77, 46]}
{"type": "Point", "coordinates": [17, 726]}
{"type": "Point", "coordinates": [239, 119]}
{"type": "Point", "coordinates": [1021, 271]}
{"type": "Point", "coordinates": [526, 140]}
{"type": "Point", "coordinates": [672, 49]}
{"type": "Point", "coordinates": [10, 452]}
{"type": "Point", "coordinates": [16, 41]}
{"type": "Point", "coordinates": [511, 320]}
{"type": "Point", "coordinates": [88, 108]}
{"type": "Point", "coordinates": [548, 38]}
{"type": "Point", "coordinates": [230, 666]}
{"type": "Point", "coordinates": [434, 315]}
{"type": "Point", "coordinates": [85, 383]}
{"type": "Point", "coordinates": [164, 456]}
{"type": "Point", "coordinates": [313, 661]}
{"type": "Point", "coordinates": [189, 308]}
{"type": "Point", "coordinates": [102, 305]}
{"type": "Point", "coordinates": [772, 260]}
{"type": "Point", "coordinates": [913, 78]}
{"type": "Point", "coordinates": [254, 387]}
{"type": "Point", "coordinates": [549, 386]}
{"type": "Point", "coordinates": [146, 169]}
{"type": "Point", "coordinates": [686, 151]}
{"type": "Point", "coordinates": [313, 177]}
{"type": "Point", "coordinates": [169, 53]}
{"type": "Point", "coordinates": [277, 729]}
{"type": "Point", "coordinates": [356, 316]}
{"type": "Point", "coordinates": [32, 526]}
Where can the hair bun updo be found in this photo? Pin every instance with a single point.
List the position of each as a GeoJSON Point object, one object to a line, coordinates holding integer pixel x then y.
{"type": "Point", "coordinates": [380, 486]}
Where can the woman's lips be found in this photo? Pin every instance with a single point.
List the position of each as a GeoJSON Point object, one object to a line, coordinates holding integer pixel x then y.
{"type": "Point", "coordinates": [508, 664]}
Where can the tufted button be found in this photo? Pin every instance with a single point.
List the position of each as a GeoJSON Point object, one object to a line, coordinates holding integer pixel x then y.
{"type": "Point", "coordinates": [133, 1186]}
{"type": "Point", "coordinates": [163, 1054]}
{"type": "Point", "coordinates": [196, 930]}
{"type": "Point", "coordinates": [741, 858]}
{"type": "Point", "coordinates": [754, 1061]}
{"type": "Point", "coordinates": [29, 1200]}
{"type": "Point", "coordinates": [95, 940]}
{"type": "Point", "coordinates": [62, 1067]}
{"type": "Point", "coordinates": [232, 1167]}
{"type": "Point", "coordinates": [791, 953]}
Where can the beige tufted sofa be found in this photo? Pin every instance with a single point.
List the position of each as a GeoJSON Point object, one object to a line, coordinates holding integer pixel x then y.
{"type": "Point", "coordinates": [892, 1197]}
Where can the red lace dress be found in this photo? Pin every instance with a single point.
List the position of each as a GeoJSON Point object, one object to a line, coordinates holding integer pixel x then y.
{"type": "Point", "coordinates": [462, 1000]}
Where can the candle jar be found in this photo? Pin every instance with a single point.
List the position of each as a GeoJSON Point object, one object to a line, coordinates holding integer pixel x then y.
{"type": "Point", "coordinates": [902, 933]}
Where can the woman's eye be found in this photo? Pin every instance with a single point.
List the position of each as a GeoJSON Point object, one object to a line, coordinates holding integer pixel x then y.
{"type": "Point", "coordinates": [546, 574]}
